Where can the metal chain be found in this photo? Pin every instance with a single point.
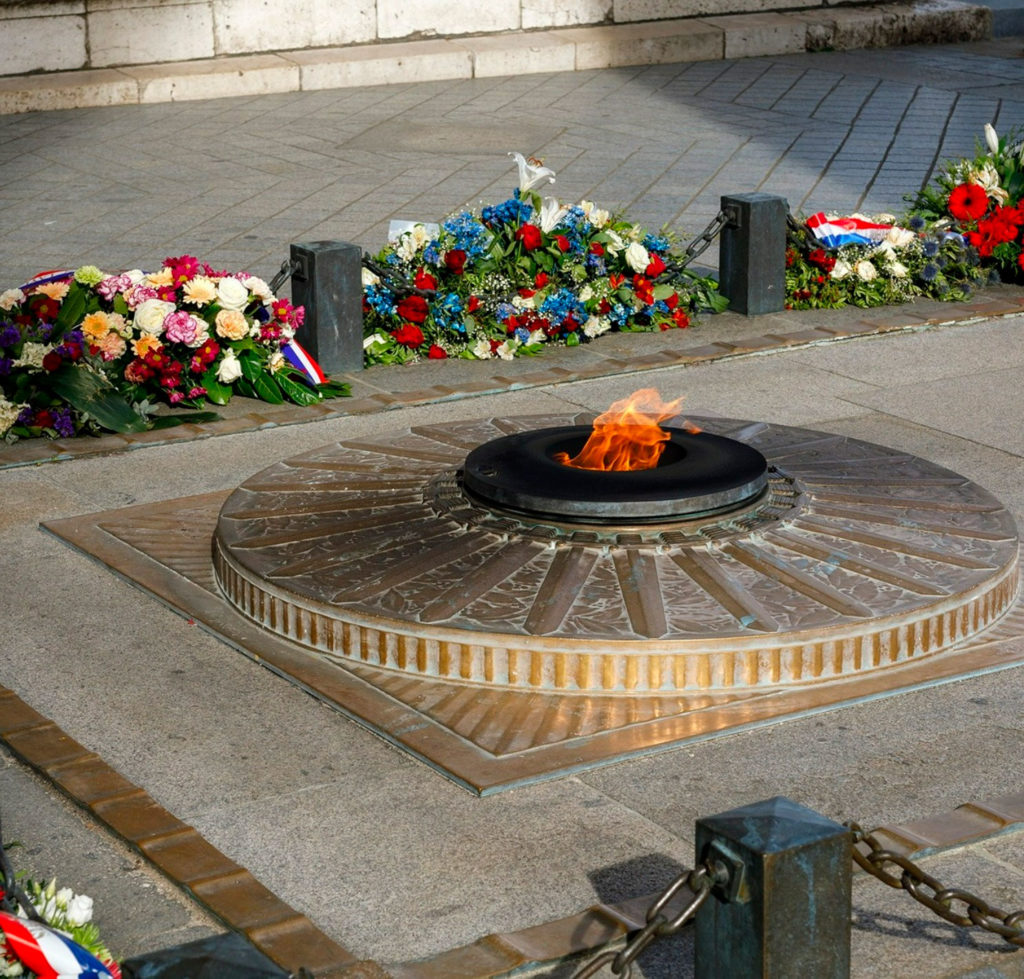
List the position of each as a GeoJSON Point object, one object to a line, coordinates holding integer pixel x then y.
{"type": "Point", "coordinates": [700, 244]}
{"type": "Point", "coordinates": [699, 880]}
{"type": "Point", "coordinates": [288, 268]}
{"type": "Point", "coordinates": [397, 284]}
{"type": "Point", "coordinates": [931, 893]}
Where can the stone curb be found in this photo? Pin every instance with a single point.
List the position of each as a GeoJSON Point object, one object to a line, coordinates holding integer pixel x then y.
{"type": "Point", "coordinates": [236, 898]}
{"type": "Point", "coordinates": [881, 320]}
{"type": "Point", "coordinates": [744, 35]}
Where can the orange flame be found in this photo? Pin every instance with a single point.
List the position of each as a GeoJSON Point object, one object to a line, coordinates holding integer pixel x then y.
{"type": "Point", "coordinates": [628, 436]}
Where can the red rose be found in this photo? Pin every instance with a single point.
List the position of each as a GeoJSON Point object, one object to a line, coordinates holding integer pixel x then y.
{"type": "Point", "coordinates": [563, 243]}
{"type": "Point", "coordinates": [672, 300]}
{"type": "Point", "coordinates": [681, 319]}
{"type": "Point", "coordinates": [968, 202]}
{"type": "Point", "coordinates": [43, 418]}
{"type": "Point", "coordinates": [474, 304]}
{"type": "Point", "coordinates": [540, 280]}
{"type": "Point", "coordinates": [413, 309]}
{"type": "Point", "coordinates": [526, 293]}
{"type": "Point", "coordinates": [424, 280]}
{"type": "Point", "coordinates": [52, 361]}
{"type": "Point", "coordinates": [596, 248]}
{"type": "Point", "coordinates": [436, 352]}
{"type": "Point", "coordinates": [455, 261]}
{"type": "Point", "coordinates": [530, 236]}
{"type": "Point", "coordinates": [409, 335]}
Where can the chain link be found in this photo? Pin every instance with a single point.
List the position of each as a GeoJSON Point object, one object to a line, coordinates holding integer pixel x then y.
{"type": "Point", "coordinates": [700, 244]}
{"type": "Point", "coordinates": [931, 893]}
{"type": "Point", "coordinates": [699, 881]}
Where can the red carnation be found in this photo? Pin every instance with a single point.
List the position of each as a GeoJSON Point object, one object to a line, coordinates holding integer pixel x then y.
{"type": "Point", "coordinates": [455, 261]}
{"type": "Point", "coordinates": [409, 335]}
{"type": "Point", "coordinates": [968, 202]}
{"type": "Point", "coordinates": [424, 280]}
{"type": "Point", "coordinates": [530, 236]}
{"type": "Point", "coordinates": [436, 352]}
{"type": "Point", "coordinates": [413, 309]}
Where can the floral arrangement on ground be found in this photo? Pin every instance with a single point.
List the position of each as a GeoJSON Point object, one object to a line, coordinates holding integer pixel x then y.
{"type": "Point", "coordinates": [529, 272]}
{"type": "Point", "coordinates": [964, 230]}
{"type": "Point", "coordinates": [60, 936]}
{"type": "Point", "coordinates": [87, 350]}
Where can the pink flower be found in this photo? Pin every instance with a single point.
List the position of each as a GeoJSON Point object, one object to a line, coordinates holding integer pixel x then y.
{"type": "Point", "coordinates": [139, 294]}
{"type": "Point", "coordinates": [112, 285]}
{"type": "Point", "coordinates": [179, 327]}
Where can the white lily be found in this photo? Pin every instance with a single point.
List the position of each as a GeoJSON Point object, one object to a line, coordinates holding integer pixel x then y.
{"type": "Point", "coordinates": [531, 175]}
{"type": "Point", "coordinates": [551, 212]}
{"type": "Point", "coordinates": [991, 139]}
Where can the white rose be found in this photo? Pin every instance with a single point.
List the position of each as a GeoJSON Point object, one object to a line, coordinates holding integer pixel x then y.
{"type": "Point", "coordinates": [866, 272]}
{"type": "Point", "coordinates": [898, 270]}
{"type": "Point", "coordinates": [615, 244]}
{"type": "Point", "coordinates": [900, 237]}
{"type": "Point", "coordinates": [230, 368]}
{"type": "Point", "coordinates": [231, 294]}
{"type": "Point", "coordinates": [150, 315]}
{"type": "Point", "coordinates": [9, 297]}
{"type": "Point", "coordinates": [523, 302]}
{"type": "Point", "coordinates": [63, 896]}
{"type": "Point", "coordinates": [991, 139]}
{"type": "Point", "coordinates": [80, 909]}
{"type": "Point", "coordinates": [257, 287]}
{"type": "Point", "coordinates": [637, 258]}
{"type": "Point", "coordinates": [841, 269]}
{"type": "Point", "coordinates": [596, 325]}
{"type": "Point", "coordinates": [202, 332]}
{"type": "Point", "coordinates": [369, 279]}
{"type": "Point", "coordinates": [135, 276]}
{"type": "Point", "coordinates": [586, 293]}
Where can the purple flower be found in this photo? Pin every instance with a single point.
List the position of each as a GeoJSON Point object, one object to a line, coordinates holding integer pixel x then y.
{"type": "Point", "coordinates": [5, 366]}
{"type": "Point", "coordinates": [63, 423]}
{"type": "Point", "coordinates": [9, 335]}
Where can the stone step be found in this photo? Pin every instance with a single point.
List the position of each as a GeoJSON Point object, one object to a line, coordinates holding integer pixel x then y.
{"type": "Point", "coordinates": [841, 27]}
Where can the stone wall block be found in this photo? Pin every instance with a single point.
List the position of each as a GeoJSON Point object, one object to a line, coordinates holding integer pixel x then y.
{"type": "Point", "coordinates": [244, 26]}
{"type": "Point", "coordinates": [399, 18]}
{"type": "Point", "coordinates": [139, 35]}
{"type": "Point", "coordinates": [563, 13]}
{"type": "Point", "coordinates": [42, 43]}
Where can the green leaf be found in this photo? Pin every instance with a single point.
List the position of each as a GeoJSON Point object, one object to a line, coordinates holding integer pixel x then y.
{"type": "Point", "coordinates": [263, 384]}
{"type": "Point", "coordinates": [219, 394]}
{"type": "Point", "coordinates": [93, 395]}
{"type": "Point", "coordinates": [663, 291]}
{"type": "Point", "coordinates": [190, 418]}
{"type": "Point", "coordinates": [296, 391]}
{"type": "Point", "coordinates": [335, 389]}
{"type": "Point", "coordinates": [71, 311]}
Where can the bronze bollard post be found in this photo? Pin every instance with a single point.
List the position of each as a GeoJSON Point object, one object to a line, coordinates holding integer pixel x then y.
{"type": "Point", "coordinates": [784, 910]}
{"type": "Point", "coordinates": [327, 280]}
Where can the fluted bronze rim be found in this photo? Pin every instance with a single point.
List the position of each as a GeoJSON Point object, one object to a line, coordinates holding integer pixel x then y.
{"type": "Point", "coordinates": [857, 559]}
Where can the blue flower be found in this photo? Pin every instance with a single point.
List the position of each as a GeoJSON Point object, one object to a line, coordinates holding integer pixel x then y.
{"type": "Point", "coordinates": [380, 299]}
{"type": "Point", "coordinates": [522, 334]}
{"type": "Point", "coordinates": [512, 211]}
{"type": "Point", "coordinates": [504, 311]}
{"type": "Point", "coordinates": [929, 272]}
{"type": "Point", "coordinates": [470, 235]}
{"type": "Point", "coordinates": [916, 222]}
{"type": "Point", "coordinates": [561, 305]}
{"type": "Point", "coordinates": [930, 248]}
{"type": "Point", "coordinates": [432, 253]}
{"type": "Point", "coordinates": [447, 312]}
{"type": "Point", "coordinates": [656, 243]}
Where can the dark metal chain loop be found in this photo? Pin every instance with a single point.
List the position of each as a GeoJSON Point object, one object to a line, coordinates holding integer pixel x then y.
{"type": "Point", "coordinates": [700, 244]}
{"type": "Point", "coordinates": [941, 899]}
{"type": "Point", "coordinates": [699, 881]}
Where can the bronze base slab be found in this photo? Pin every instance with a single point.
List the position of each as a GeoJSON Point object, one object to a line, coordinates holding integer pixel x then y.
{"type": "Point", "coordinates": [485, 739]}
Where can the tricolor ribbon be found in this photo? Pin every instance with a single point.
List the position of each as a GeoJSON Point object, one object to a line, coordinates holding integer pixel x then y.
{"type": "Point", "coordinates": [300, 359]}
{"type": "Point", "coordinates": [836, 232]}
{"type": "Point", "coordinates": [42, 278]}
{"type": "Point", "coordinates": [49, 953]}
